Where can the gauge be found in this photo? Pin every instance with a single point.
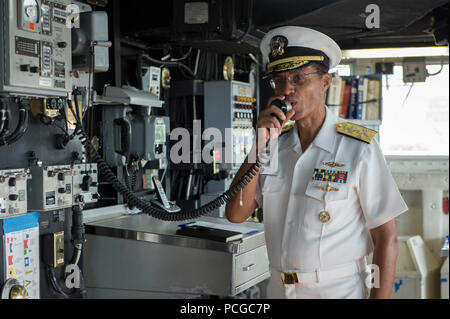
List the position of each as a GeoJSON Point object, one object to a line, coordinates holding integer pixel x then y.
{"type": "Point", "coordinates": [31, 11]}
{"type": "Point", "coordinates": [228, 69]}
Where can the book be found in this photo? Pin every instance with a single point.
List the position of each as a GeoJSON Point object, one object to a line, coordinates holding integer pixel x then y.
{"type": "Point", "coordinates": [345, 100]}
{"type": "Point", "coordinates": [364, 98]}
{"type": "Point", "coordinates": [220, 235]}
{"type": "Point", "coordinates": [353, 98]}
{"type": "Point", "coordinates": [341, 97]}
{"type": "Point", "coordinates": [373, 94]}
{"type": "Point", "coordinates": [360, 98]}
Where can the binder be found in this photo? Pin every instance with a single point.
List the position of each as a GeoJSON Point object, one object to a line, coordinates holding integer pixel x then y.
{"type": "Point", "coordinates": [373, 95]}
{"type": "Point", "coordinates": [215, 234]}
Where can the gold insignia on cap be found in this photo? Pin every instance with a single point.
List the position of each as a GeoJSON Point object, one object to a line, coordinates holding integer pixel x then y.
{"type": "Point", "coordinates": [356, 131]}
{"type": "Point", "coordinates": [291, 63]}
{"type": "Point", "coordinates": [278, 45]}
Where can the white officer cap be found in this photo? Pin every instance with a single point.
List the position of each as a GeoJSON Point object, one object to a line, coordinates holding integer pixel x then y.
{"type": "Point", "coordinates": [290, 48]}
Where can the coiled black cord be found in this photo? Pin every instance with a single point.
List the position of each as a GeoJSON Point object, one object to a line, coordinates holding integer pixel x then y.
{"type": "Point", "coordinates": [145, 206]}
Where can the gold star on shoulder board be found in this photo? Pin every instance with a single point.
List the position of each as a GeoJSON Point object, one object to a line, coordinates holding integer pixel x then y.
{"type": "Point", "coordinates": [356, 131]}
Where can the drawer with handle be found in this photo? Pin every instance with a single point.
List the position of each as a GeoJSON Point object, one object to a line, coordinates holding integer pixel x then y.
{"type": "Point", "coordinates": [250, 265]}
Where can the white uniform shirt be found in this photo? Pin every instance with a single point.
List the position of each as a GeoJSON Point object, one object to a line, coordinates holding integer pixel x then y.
{"type": "Point", "coordinates": [296, 238]}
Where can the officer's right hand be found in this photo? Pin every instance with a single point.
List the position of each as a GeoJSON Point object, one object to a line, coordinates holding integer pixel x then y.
{"type": "Point", "coordinates": [267, 121]}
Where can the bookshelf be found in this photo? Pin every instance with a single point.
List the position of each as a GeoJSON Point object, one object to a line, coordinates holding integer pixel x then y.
{"type": "Point", "coordinates": [357, 99]}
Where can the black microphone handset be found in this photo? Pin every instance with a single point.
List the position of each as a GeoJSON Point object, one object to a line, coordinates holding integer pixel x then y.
{"type": "Point", "coordinates": [285, 107]}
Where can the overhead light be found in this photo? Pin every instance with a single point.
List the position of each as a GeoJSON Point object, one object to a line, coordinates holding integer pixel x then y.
{"type": "Point", "coordinates": [395, 52]}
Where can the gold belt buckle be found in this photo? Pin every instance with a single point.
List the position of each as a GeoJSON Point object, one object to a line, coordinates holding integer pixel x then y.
{"type": "Point", "coordinates": [289, 278]}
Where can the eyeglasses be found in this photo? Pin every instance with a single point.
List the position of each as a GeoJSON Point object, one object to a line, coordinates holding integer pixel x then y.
{"type": "Point", "coordinates": [278, 82]}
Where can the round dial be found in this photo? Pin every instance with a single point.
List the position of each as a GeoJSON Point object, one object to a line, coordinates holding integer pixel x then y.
{"type": "Point", "coordinates": [31, 10]}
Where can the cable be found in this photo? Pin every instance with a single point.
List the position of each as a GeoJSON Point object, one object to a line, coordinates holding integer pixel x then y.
{"type": "Point", "coordinates": [3, 116]}
{"type": "Point", "coordinates": [21, 129]}
{"type": "Point", "coordinates": [145, 206]}
{"type": "Point", "coordinates": [407, 96]}
{"type": "Point", "coordinates": [439, 72]}
{"type": "Point", "coordinates": [184, 57]}
{"type": "Point", "coordinates": [91, 74]}
{"type": "Point", "coordinates": [55, 284]}
{"type": "Point", "coordinates": [253, 58]}
{"type": "Point", "coordinates": [176, 64]}
{"type": "Point", "coordinates": [79, 249]}
{"type": "Point", "coordinates": [7, 123]}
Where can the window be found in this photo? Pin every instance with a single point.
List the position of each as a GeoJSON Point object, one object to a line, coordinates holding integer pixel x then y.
{"type": "Point", "coordinates": [416, 116]}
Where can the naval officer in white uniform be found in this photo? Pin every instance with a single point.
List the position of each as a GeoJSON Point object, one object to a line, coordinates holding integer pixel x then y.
{"type": "Point", "coordinates": [332, 200]}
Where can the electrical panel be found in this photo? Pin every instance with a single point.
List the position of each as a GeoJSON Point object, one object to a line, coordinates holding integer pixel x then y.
{"type": "Point", "coordinates": [13, 192]}
{"type": "Point", "coordinates": [151, 80]}
{"type": "Point", "coordinates": [414, 70]}
{"type": "Point", "coordinates": [230, 105]}
{"type": "Point", "coordinates": [50, 188]}
{"type": "Point", "coordinates": [85, 183]}
{"type": "Point", "coordinates": [35, 47]}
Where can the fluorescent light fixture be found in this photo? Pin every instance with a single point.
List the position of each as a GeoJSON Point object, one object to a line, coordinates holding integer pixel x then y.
{"type": "Point", "coordinates": [395, 53]}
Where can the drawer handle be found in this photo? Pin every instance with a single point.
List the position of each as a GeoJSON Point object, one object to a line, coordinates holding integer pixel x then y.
{"type": "Point", "coordinates": [249, 267]}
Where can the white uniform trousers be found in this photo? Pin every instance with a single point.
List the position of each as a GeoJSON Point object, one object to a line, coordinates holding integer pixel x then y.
{"type": "Point", "coordinates": [341, 282]}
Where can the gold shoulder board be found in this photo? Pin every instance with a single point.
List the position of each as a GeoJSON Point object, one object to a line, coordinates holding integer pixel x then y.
{"type": "Point", "coordinates": [356, 131]}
